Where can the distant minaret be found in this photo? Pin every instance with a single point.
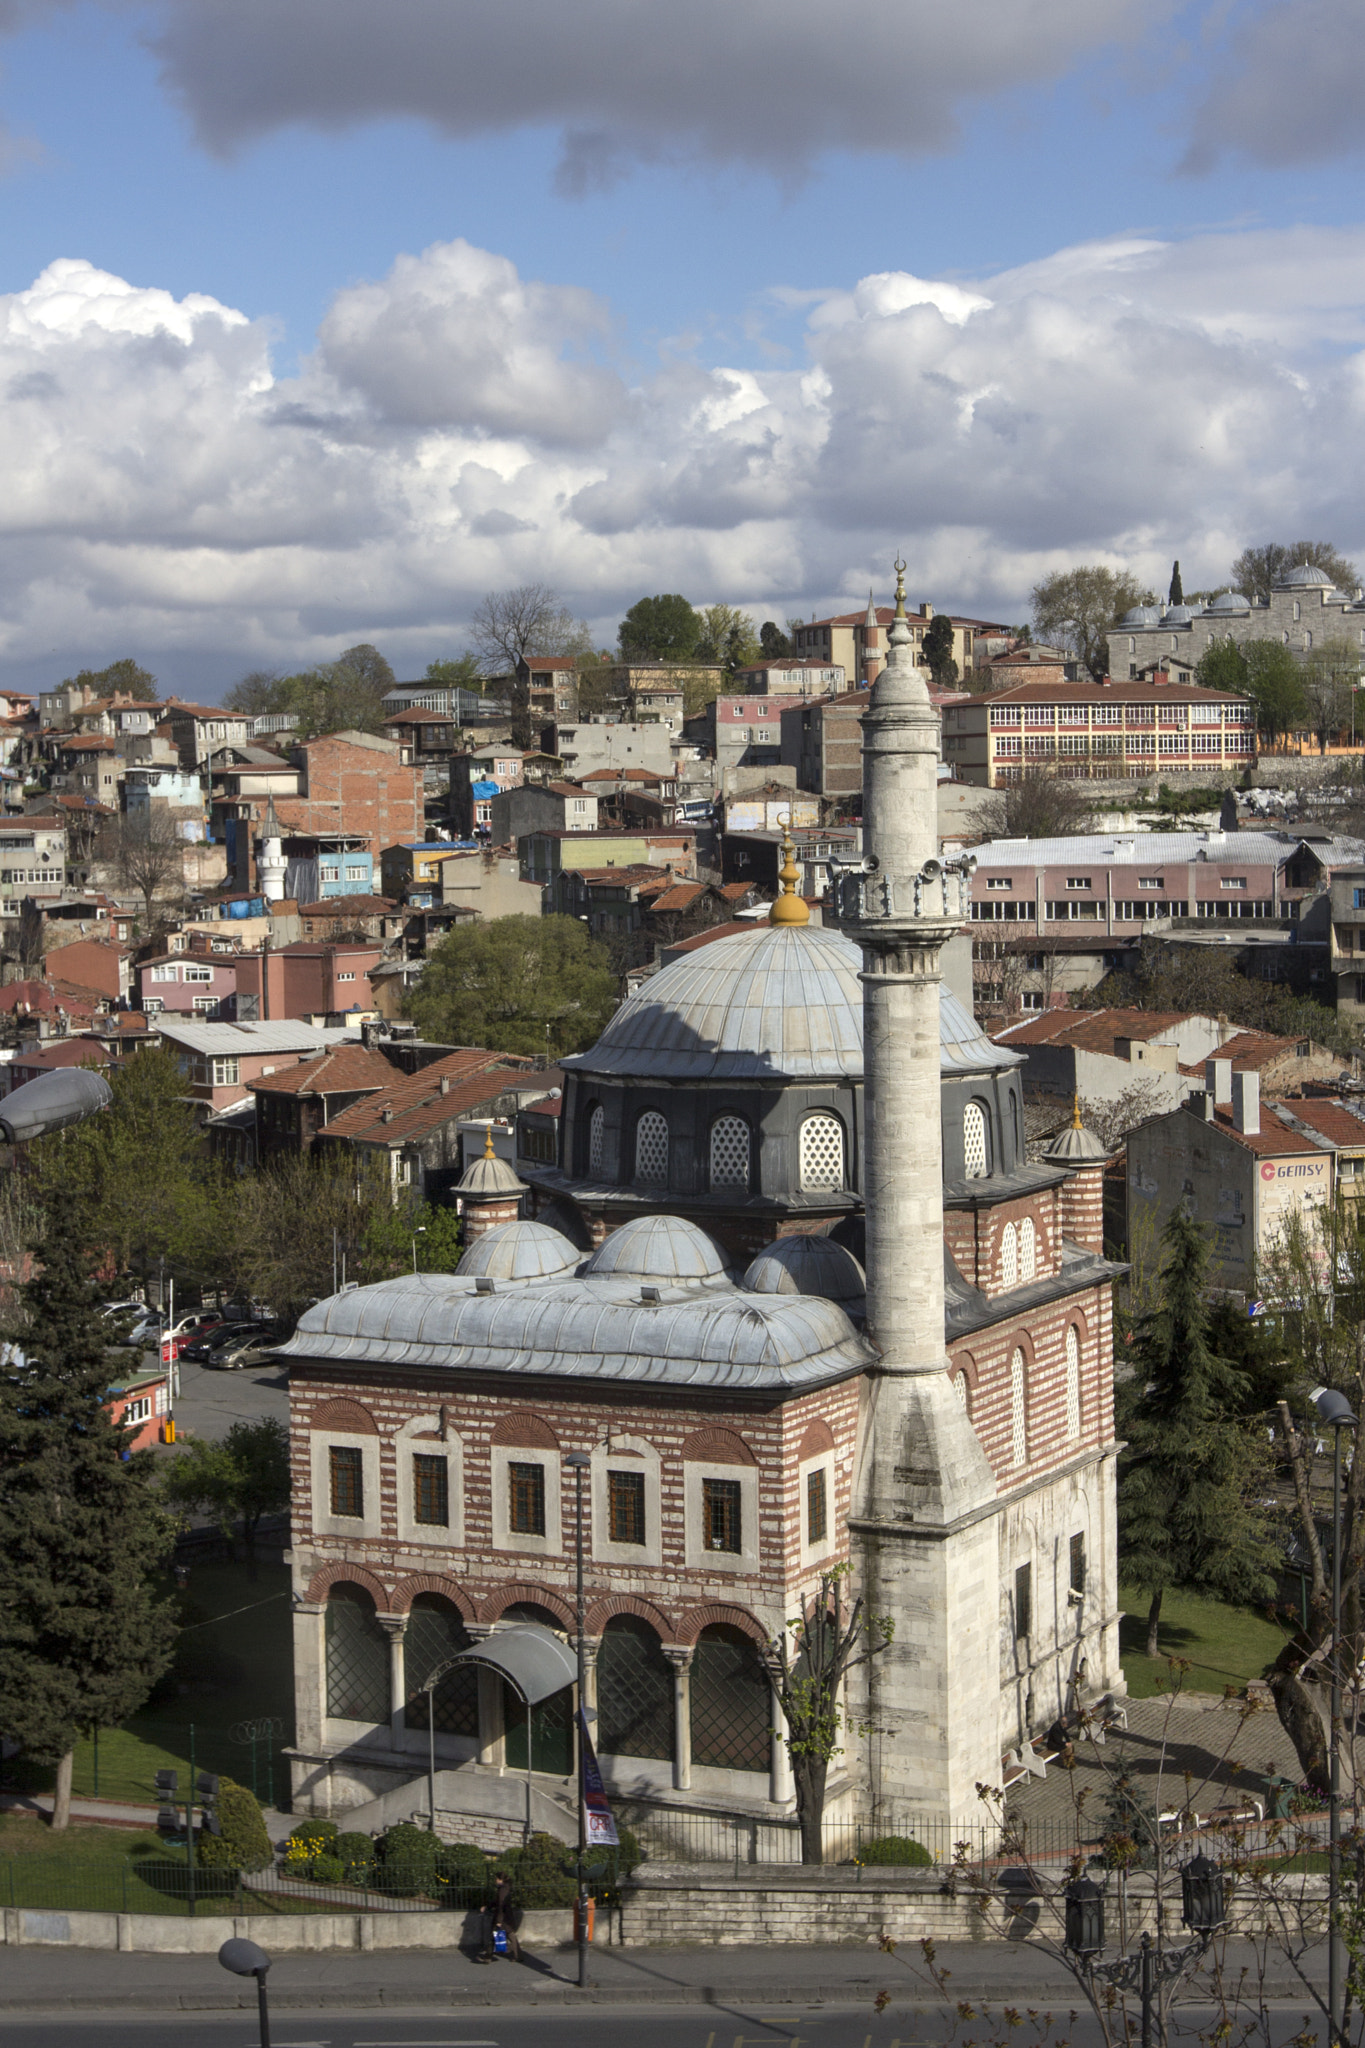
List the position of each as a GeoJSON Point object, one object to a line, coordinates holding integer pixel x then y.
{"type": "Point", "coordinates": [873, 662]}
{"type": "Point", "coordinates": [271, 865]}
{"type": "Point", "coordinates": [924, 1495]}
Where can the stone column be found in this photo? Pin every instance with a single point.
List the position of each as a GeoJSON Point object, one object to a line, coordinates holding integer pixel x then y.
{"type": "Point", "coordinates": [781, 1788]}
{"type": "Point", "coordinates": [679, 1656]}
{"type": "Point", "coordinates": [924, 1519]}
{"type": "Point", "coordinates": [310, 1672]}
{"type": "Point", "coordinates": [395, 1627]}
{"type": "Point", "coordinates": [492, 1751]}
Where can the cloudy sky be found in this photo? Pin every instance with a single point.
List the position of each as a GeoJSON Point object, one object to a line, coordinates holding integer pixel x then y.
{"type": "Point", "coordinates": [320, 318]}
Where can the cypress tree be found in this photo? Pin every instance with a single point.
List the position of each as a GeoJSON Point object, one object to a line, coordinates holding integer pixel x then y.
{"type": "Point", "coordinates": [1177, 593]}
{"type": "Point", "coordinates": [1192, 1461]}
{"type": "Point", "coordinates": [83, 1637]}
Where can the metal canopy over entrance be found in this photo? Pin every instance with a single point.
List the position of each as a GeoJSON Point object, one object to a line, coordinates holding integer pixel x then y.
{"type": "Point", "coordinates": [529, 1657]}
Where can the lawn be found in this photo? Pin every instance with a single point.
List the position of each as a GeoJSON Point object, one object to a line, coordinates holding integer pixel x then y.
{"type": "Point", "coordinates": [115, 1870]}
{"type": "Point", "coordinates": [234, 1663]}
{"type": "Point", "coordinates": [1225, 1645]}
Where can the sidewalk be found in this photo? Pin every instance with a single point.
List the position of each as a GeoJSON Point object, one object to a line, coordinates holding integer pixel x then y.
{"type": "Point", "coordinates": [45, 1979]}
{"type": "Point", "coordinates": [114, 1813]}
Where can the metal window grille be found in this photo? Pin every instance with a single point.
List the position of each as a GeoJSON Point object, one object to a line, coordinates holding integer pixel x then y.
{"type": "Point", "coordinates": [1018, 1416]}
{"type": "Point", "coordinates": [817, 1507]}
{"type": "Point", "coordinates": [651, 1149]}
{"type": "Point", "coordinates": [731, 1702]}
{"type": "Point", "coordinates": [357, 1658]}
{"type": "Point", "coordinates": [626, 1506]}
{"type": "Point", "coordinates": [634, 1691]}
{"type": "Point", "coordinates": [1028, 1250]}
{"type": "Point", "coordinates": [729, 1152]}
{"type": "Point", "coordinates": [822, 1152]}
{"type": "Point", "coordinates": [1023, 1602]}
{"type": "Point", "coordinates": [720, 1514]}
{"type": "Point", "coordinates": [348, 1490]}
{"type": "Point", "coordinates": [526, 1499]}
{"type": "Point", "coordinates": [431, 1490]}
{"type": "Point", "coordinates": [974, 1140]}
{"type": "Point", "coordinates": [1009, 1257]}
{"type": "Point", "coordinates": [963, 1392]}
{"type": "Point", "coordinates": [435, 1633]}
{"type": "Point", "coordinates": [596, 1125]}
{"type": "Point", "coordinates": [1078, 1563]}
{"type": "Point", "coordinates": [1073, 1383]}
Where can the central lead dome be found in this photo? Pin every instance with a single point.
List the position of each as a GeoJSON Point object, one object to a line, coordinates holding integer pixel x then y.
{"type": "Point", "coordinates": [777, 1003]}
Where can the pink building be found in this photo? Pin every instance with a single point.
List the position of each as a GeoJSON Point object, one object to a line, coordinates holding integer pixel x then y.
{"type": "Point", "coordinates": [192, 984]}
{"type": "Point", "coordinates": [221, 1061]}
{"type": "Point", "coordinates": [311, 978]}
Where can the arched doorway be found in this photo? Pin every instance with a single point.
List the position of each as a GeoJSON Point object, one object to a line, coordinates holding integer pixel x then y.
{"type": "Point", "coordinates": [634, 1691]}
{"type": "Point", "coordinates": [731, 1701]}
{"type": "Point", "coordinates": [357, 1657]}
{"type": "Point", "coordinates": [551, 1721]}
{"type": "Point", "coordinates": [435, 1633]}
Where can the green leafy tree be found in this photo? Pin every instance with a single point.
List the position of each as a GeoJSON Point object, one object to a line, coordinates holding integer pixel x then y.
{"type": "Point", "coordinates": [1077, 608]}
{"type": "Point", "coordinates": [1222, 666]}
{"type": "Point", "coordinates": [938, 652]}
{"type": "Point", "coordinates": [1192, 1466]}
{"type": "Point", "coordinates": [727, 638]}
{"type": "Point", "coordinates": [1204, 980]}
{"type": "Point", "coordinates": [237, 1478]}
{"type": "Point", "coordinates": [1176, 593]}
{"type": "Point", "coordinates": [1330, 673]}
{"type": "Point", "coordinates": [1257, 570]}
{"type": "Point", "coordinates": [83, 1638]}
{"type": "Point", "coordinates": [826, 1643]}
{"type": "Point", "coordinates": [397, 1234]}
{"type": "Point", "coordinates": [660, 629]}
{"type": "Point", "coordinates": [520, 984]}
{"type": "Point", "coordinates": [260, 691]}
{"type": "Point", "coordinates": [345, 695]}
{"type": "Point", "coordinates": [126, 677]}
{"type": "Point", "coordinates": [598, 691]}
{"type": "Point", "coordinates": [463, 673]}
{"type": "Point", "coordinates": [774, 643]}
{"type": "Point", "coordinates": [1275, 681]}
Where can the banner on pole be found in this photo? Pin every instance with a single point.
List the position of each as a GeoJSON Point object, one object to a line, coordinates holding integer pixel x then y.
{"type": "Point", "coordinates": [601, 1828]}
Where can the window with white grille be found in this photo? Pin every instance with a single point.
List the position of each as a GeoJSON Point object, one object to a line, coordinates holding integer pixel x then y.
{"type": "Point", "coordinates": [1028, 1250]}
{"type": "Point", "coordinates": [963, 1392]}
{"type": "Point", "coordinates": [729, 1152]}
{"type": "Point", "coordinates": [1009, 1257]}
{"type": "Point", "coordinates": [1073, 1383]}
{"type": "Point", "coordinates": [822, 1152]}
{"type": "Point", "coordinates": [974, 1140]}
{"type": "Point", "coordinates": [651, 1149]}
{"type": "Point", "coordinates": [596, 1123]}
{"type": "Point", "coordinates": [1018, 1416]}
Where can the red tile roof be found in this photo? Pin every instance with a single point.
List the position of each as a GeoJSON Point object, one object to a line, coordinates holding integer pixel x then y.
{"type": "Point", "coordinates": [682, 897]}
{"type": "Point", "coordinates": [1273, 1138]}
{"type": "Point", "coordinates": [717, 931]}
{"type": "Point", "coordinates": [416, 1106]}
{"type": "Point", "coordinates": [341, 1071]}
{"type": "Point", "coordinates": [1247, 1050]}
{"type": "Point", "coordinates": [1336, 1121]}
{"type": "Point", "coordinates": [348, 906]}
{"type": "Point", "coordinates": [1088, 1030]}
{"type": "Point", "coordinates": [1110, 693]}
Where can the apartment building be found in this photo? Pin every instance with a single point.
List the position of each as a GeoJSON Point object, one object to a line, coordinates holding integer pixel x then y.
{"type": "Point", "coordinates": [1098, 731]}
{"type": "Point", "coordinates": [846, 639]}
{"type": "Point", "coordinates": [792, 677]}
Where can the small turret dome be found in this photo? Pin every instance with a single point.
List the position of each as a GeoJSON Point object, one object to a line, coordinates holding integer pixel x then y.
{"type": "Point", "coordinates": [1075, 1146]}
{"type": "Point", "coordinates": [489, 1176]}
{"type": "Point", "coordinates": [807, 1264]}
{"type": "Point", "coordinates": [659, 1248]}
{"type": "Point", "coordinates": [1230, 601]}
{"type": "Point", "coordinates": [518, 1251]}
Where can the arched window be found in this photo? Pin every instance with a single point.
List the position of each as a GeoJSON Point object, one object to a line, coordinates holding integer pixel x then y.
{"type": "Point", "coordinates": [974, 1147]}
{"type": "Point", "coordinates": [1014, 1126]}
{"type": "Point", "coordinates": [731, 1701]}
{"type": "Point", "coordinates": [1018, 1413]}
{"type": "Point", "coordinates": [962, 1389]}
{"type": "Point", "coordinates": [357, 1657]}
{"type": "Point", "coordinates": [1073, 1383]}
{"type": "Point", "coordinates": [1009, 1257]}
{"type": "Point", "coordinates": [1028, 1251]}
{"type": "Point", "coordinates": [596, 1127]}
{"type": "Point", "coordinates": [434, 1634]}
{"type": "Point", "coordinates": [634, 1691]}
{"type": "Point", "coordinates": [821, 1152]}
{"type": "Point", "coordinates": [729, 1152]}
{"type": "Point", "coordinates": [651, 1149]}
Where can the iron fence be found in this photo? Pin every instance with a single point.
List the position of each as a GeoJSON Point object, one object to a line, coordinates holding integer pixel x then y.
{"type": "Point", "coordinates": [889, 1840]}
{"type": "Point", "coordinates": [151, 1885]}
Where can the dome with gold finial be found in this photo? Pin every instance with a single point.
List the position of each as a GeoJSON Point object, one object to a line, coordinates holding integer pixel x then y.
{"type": "Point", "coordinates": [489, 1175]}
{"type": "Point", "coordinates": [1075, 1146]}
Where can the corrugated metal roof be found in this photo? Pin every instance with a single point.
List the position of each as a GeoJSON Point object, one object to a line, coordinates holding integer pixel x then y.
{"type": "Point", "coordinates": [1134, 848]}
{"type": "Point", "coordinates": [283, 1034]}
{"type": "Point", "coordinates": [593, 1327]}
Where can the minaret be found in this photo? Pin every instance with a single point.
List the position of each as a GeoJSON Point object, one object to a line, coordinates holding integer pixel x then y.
{"type": "Point", "coordinates": [271, 866]}
{"type": "Point", "coordinates": [872, 645]}
{"type": "Point", "coordinates": [924, 1518]}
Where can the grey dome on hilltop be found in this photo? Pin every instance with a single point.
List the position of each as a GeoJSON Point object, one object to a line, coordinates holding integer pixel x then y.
{"type": "Point", "coordinates": [1142, 615]}
{"type": "Point", "coordinates": [519, 1251]}
{"type": "Point", "coordinates": [1305, 576]}
{"type": "Point", "coordinates": [1177, 615]}
{"type": "Point", "coordinates": [807, 1263]}
{"type": "Point", "coordinates": [1230, 601]}
{"type": "Point", "coordinates": [659, 1248]}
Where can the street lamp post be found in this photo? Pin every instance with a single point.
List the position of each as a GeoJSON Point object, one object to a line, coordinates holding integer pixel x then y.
{"type": "Point", "coordinates": [1203, 1911]}
{"type": "Point", "coordinates": [420, 1231]}
{"type": "Point", "coordinates": [579, 1461]}
{"type": "Point", "coordinates": [1336, 1411]}
{"type": "Point", "coordinates": [244, 1959]}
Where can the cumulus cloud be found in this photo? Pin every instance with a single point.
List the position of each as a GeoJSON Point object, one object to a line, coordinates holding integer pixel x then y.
{"type": "Point", "coordinates": [772, 82]}
{"type": "Point", "coordinates": [459, 427]}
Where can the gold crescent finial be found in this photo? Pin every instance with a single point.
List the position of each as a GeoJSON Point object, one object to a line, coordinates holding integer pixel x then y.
{"type": "Point", "coordinates": [900, 586]}
{"type": "Point", "coordinates": [789, 907]}
{"type": "Point", "coordinates": [1076, 1123]}
{"type": "Point", "coordinates": [488, 1151]}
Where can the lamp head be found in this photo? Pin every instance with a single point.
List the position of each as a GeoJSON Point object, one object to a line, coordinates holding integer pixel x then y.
{"type": "Point", "coordinates": [243, 1958]}
{"type": "Point", "coordinates": [1333, 1408]}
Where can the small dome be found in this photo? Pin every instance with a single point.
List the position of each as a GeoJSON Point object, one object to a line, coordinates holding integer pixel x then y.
{"type": "Point", "coordinates": [1075, 1146]}
{"type": "Point", "coordinates": [1230, 601]}
{"type": "Point", "coordinates": [490, 1175]}
{"type": "Point", "coordinates": [1304, 576]}
{"type": "Point", "coordinates": [1177, 615]}
{"type": "Point", "coordinates": [658, 1248]}
{"type": "Point", "coordinates": [1142, 615]}
{"type": "Point", "coordinates": [807, 1264]}
{"type": "Point", "coordinates": [518, 1251]}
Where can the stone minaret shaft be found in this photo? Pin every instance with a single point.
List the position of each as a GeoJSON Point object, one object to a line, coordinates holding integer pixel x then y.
{"type": "Point", "coordinates": [924, 1526]}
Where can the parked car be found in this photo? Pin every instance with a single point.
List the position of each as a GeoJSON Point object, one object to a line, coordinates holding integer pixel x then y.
{"type": "Point", "coordinates": [122, 1308]}
{"type": "Point", "coordinates": [202, 1342]}
{"type": "Point", "coordinates": [252, 1347]}
{"type": "Point", "coordinates": [143, 1334]}
{"type": "Point", "coordinates": [202, 1323]}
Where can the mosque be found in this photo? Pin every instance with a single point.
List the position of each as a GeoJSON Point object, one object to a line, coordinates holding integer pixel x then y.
{"type": "Point", "coordinates": [796, 1290]}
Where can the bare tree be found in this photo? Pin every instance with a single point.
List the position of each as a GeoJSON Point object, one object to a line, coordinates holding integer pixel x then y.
{"type": "Point", "coordinates": [148, 854]}
{"type": "Point", "coordinates": [827, 1643]}
{"type": "Point", "coordinates": [510, 625]}
{"type": "Point", "coordinates": [1111, 1121]}
{"type": "Point", "coordinates": [1330, 673]}
{"type": "Point", "coordinates": [1257, 570]}
{"type": "Point", "coordinates": [1039, 805]}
